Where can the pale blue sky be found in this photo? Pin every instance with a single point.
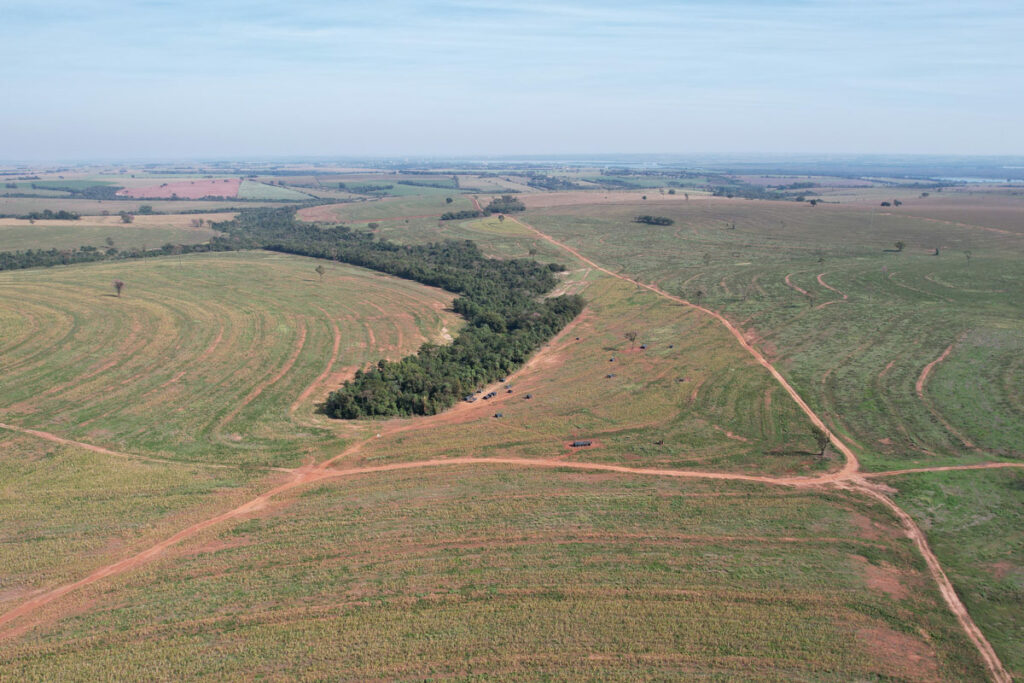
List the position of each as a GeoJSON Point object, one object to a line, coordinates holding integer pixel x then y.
{"type": "Point", "coordinates": [231, 78]}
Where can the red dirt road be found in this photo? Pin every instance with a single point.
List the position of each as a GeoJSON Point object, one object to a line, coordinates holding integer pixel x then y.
{"type": "Point", "coordinates": [849, 476]}
{"type": "Point", "coordinates": [851, 466]}
{"type": "Point", "coordinates": [988, 655]}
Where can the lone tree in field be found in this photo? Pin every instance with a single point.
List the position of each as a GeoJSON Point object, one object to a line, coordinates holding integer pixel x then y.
{"type": "Point", "coordinates": [320, 271]}
{"type": "Point", "coordinates": [899, 245]}
{"type": "Point", "coordinates": [822, 438]}
{"type": "Point", "coordinates": [126, 217]}
{"type": "Point", "coordinates": [118, 286]}
{"type": "Point", "coordinates": [631, 336]}
{"type": "Point", "coordinates": [448, 200]}
{"type": "Point", "coordinates": [967, 254]}
{"type": "Point", "coordinates": [698, 295]}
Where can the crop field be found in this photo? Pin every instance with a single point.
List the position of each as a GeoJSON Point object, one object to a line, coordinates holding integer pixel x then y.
{"type": "Point", "coordinates": [202, 358]}
{"type": "Point", "coordinates": [149, 231]}
{"type": "Point", "coordinates": [250, 189]}
{"type": "Point", "coordinates": [504, 572]}
{"type": "Point", "coordinates": [214, 525]}
{"type": "Point", "coordinates": [22, 206]}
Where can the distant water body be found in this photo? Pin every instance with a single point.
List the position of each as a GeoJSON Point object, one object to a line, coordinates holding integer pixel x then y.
{"type": "Point", "coordinates": [1001, 181]}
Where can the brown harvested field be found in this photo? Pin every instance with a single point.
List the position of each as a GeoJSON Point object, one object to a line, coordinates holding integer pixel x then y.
{"type": "Point", "coordinates": [144, 231]}
{"type": "Point", "coordinates": [186, 189]}
{"type": "Point", "coordinates": [989, 210]}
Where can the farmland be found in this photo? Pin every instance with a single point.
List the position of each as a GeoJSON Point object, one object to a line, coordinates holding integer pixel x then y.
{"type": "Point", "coordinates": [702, 533]}
{"type": "Point", "coordinates": [147, 230]}
{"type": "Point", "coordinates": [185, 189]}
{"type": "Point", "coordinates": [505, 572]}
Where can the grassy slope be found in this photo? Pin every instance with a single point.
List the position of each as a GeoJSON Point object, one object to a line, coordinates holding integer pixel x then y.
{"type": "Point", "coordinates": [166, 368]}
{"type": "Point", "coordinates": [857, 360]}
{"type": "Point", "coordinates": [68, 511]}
{"type": "Point", "coordinates": [499, 572]}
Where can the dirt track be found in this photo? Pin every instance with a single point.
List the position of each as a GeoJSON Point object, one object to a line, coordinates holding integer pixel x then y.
{"type": "Point", "coordinates": [848, 476]}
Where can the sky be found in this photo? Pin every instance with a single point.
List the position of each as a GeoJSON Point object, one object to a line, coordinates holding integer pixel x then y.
{"type": "Point", "coordinates": [229, 79]}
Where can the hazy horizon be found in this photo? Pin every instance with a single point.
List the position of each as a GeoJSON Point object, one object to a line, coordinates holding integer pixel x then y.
{"type": "Point", "coordinates": [156, 80]}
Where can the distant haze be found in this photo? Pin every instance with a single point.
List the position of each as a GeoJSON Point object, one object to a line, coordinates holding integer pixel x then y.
{"type": "Point", "coordinates": [138, 80]}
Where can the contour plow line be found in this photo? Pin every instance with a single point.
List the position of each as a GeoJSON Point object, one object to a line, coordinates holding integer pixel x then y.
{"type": "Point", "coordinates": [851, 466]}
{"type": "Point", "coordinates": [47, 436]}
{"type": "Point", "coordinates": [850, 470]}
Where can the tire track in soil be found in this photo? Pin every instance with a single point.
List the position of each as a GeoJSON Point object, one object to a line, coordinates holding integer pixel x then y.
{"type": "Point", "coordinates": [830, 287]}
{"type": "Point", "coordinates": [263, 385]}
{"type": "Point", "coordinates": [795, 287]}
{"type": "Point", "coordinates": [327, 371]}
{"type": "Point", "coordinates": [47, 436]}
{"type": "Point", "coordinates": [919, 388]}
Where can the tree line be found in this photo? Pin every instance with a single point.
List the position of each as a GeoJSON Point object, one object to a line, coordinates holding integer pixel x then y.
{"type": "Point", "coordinates": [653, 220]}
{"type": "Point", "coordinates": [502, 300]}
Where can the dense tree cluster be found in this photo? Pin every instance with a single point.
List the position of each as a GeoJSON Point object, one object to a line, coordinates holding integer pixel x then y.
{"type": "Point", "coordinates": [49, 215]}
{"type": "Point", "coordinates": [546, 182]}
{"type": "Point", "coordinates": [653, 220]}
{"type": "Point", "coordinates": [87, 192]}
{"type": "Point", "coordinates": [459, 215]}
{"type": "Point", "coordinates": [41, 258]}
{"type": "Point", "coordinates": [444, 184]}
{"type": "Point", "coordinates": [505, 204]}
{"type": "Point", "coordinates": [367, 189]}
{"type": "Point", "coordinates": [508, 318]}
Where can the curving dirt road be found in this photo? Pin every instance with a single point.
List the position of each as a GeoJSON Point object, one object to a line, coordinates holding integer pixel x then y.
{"type": "Point", "coordinates": [850, 471]}
{"type": "Point", "coordinates": [851, 466]}
{"type": "Point", "coordinates": [848, 476]}
{"type": "Point", "coordinates": [988, 655]}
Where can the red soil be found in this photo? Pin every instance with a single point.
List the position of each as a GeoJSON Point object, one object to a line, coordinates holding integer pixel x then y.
{"type": "Point", "coordinates": [186, 189]}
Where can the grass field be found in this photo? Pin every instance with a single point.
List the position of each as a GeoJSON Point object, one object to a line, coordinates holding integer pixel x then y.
{"type": "Point", "coordinates": [975, 524]}
{"type": "Point", "coordinates": [144, 231]}
{"type": "Point", "coordinates": [507, 573]}
{"type": "Point", "coordinates": [202, 357]}
{"type": "Point", "coordinates": [388, 209]}
{"type": "Point", "coordinates": [250, 189]}
{"type": "Point", "coordinates": [856, 342]}
{"type": "Point", "coordinates": [688, 398]}
{"type": "Point", "coordinates": [62, 502]}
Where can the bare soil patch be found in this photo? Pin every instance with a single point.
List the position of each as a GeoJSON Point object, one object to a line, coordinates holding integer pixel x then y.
{"type": "Point", "coordinates": [186, 189]}
{"type": "Point", "coordinates": [908, 658]}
